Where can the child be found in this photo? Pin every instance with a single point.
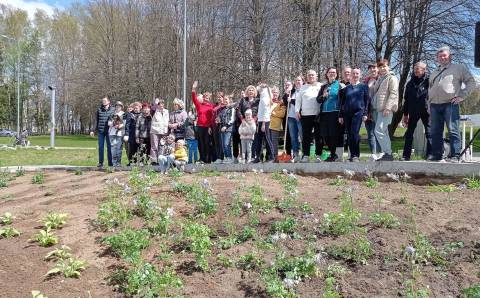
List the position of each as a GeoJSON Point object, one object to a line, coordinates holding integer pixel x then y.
{"type": "Point", "coordinates": [116, 133]}
{"type": "Point", "coordinates": [165, 152]}
{"type": "Point", "coordinates": [247, 132]}
{"type": "Point", "coordinates": [181, 157]}
{"type": "Point", "coordinates": [190, 132]}
{"type": "Point", "coordinates": [142, 131]}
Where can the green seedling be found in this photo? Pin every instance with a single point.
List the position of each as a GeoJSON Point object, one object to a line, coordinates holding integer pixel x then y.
{"type": "Point", "coordinates": [45, 238]}
{"type": "Point", "coordinates": [69, 268]}
{"type": "Point", "coordinates": [357, 250]}
{"type": "Point", "coordinates": [38, 178]}
{"type": "Point", "coordinates": [129, 243]}
{"type": "Point", "coordinates": [472, 291]}
{"type": "Point", "coordinates": [59, 254]}
{"type": "Point", "coordinates": [343, 222]}
{"type": "Point", "coordinates": [198, 237]}
{"type": "Point", "coordinates": [55, 220]}
{"type": "Point", "coordinates": [384, 220]}
{"type": "Point", "coordinates": [38, 294]}
{"type": "Point", "coordinates": [7, 218]}
{"type": "Point", "coordinates": [473, 183]}
{"type": "Point", "coordinates": [225, 261]}
{"type": "Point", "coordinates": [19, 172]}
{"type": "Point", "coordinates": [338, 181]}
{"type": "Point", "coordinates": [371, 182]}
{"type": "Point", "coordinates": [78, 172]}
{"type": "Point", "coordinates": [112, 214]}
{"type": "Point", "coordinates": [9, 232]}
{"type": "Point", "coordinates": [442, 188]}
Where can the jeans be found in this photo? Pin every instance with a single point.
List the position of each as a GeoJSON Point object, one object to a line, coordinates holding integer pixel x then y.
{"type": "Point", "coordinates": [412, 125]}
{"type": "Point", "coordinates": [353, 122]}
{"type": "Point", "coordinates": [440, 115]}
{"type": "Point", "coordinates": [381, 131]}
{"type": "Point", "coordinates": [372, 140]}
{"type": "Point", "coordinates": [226, 138]}
{"type": "Point", "coordinates": [116, 145]}
{"type": "Point", "coordinates": [165, 162]}
{"type": "Point", "coordinates": [261, 136]}
{"type": "Point", "coordinates": [102, 138]}
{"type": "Point", "coordinates": [295, 132]}
{"type": "Point", "coordinates": [192, 150]}
{"type": "Point", "coordinates": [247, 149]}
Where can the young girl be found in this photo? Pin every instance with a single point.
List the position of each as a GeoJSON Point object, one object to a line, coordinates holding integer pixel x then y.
{"type": "Point", "coordinates": [116, 132]}
{"type": "Point", "coordinates": [181, 157]}
{"type": "Point", "coordinates": [190, 136]}
{"type": "Point", "coordinates": [165, 152]}
{"type": "Point", "coordinates": [247, 132]}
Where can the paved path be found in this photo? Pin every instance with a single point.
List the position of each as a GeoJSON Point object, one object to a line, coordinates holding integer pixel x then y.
{"type": "Point", "coordinates": [410, 167]}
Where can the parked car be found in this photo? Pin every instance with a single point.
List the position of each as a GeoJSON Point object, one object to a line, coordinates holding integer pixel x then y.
{"type": "Point", "coordinates": [6, 132]}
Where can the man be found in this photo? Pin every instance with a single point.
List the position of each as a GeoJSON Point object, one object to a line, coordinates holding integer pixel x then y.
{"type": "Point", "coordinates": [342, 142]}
{"type": "Point", "coordinates": [445, 94]}
{"type": "Point", "coordinates": [415, 108]}
{"type": "Point", "coordinates": [370, 124]}
{"type": "Point", "coordinates": [104, 113]}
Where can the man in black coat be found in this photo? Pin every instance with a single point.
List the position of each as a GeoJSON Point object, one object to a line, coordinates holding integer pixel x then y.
{"type": "Point", "coordinates": [104, 113]}
{"type": "Point", "coordinates": [415, 108]}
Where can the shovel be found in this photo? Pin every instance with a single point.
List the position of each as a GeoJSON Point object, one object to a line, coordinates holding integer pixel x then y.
{"type": "Point", "coordinates": [284, 157]}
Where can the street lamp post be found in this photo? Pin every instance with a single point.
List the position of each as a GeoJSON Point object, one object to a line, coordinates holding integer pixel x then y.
{"type": "Point", "coordinates": [18, 81]}
{"type": "Point", "coordinates": [184, 52]}
{"type": "Point", "coordinates": [52, 115]}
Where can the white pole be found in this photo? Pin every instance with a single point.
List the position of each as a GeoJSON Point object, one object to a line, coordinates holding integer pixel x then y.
{"type": "Point", "coordinates": [184, 53]}
{"type": "Point", "coordinates": [18, 88]}
{"type": "Point", "coordinates": [52, 129]}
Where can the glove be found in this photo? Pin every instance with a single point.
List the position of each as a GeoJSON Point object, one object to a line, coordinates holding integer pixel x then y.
{"type": "Point", "coordinates": [125, 138]}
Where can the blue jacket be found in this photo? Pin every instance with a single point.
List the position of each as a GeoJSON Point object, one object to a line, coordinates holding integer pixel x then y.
{"type": "Point", "coordinates": [355, 99]}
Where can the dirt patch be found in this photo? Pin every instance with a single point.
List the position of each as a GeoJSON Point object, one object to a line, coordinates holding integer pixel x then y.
{"type": "Point", "coordinates": [442, 217]}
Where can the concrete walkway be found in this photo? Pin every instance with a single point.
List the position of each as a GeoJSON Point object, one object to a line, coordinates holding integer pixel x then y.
{"type": "Point", "coordinates": [384, 167]}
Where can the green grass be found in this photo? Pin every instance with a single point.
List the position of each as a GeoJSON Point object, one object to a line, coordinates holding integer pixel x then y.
{"type": "Point", "coordinates": [82, 141]}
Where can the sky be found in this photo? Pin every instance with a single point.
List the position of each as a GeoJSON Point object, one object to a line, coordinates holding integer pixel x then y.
{"type": "Point", "coordinates": [48, 6]}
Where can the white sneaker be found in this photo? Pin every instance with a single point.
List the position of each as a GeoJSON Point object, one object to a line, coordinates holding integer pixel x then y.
{"type": "Point", "coordinates": [228, 161]}
{"type": "Point", "coordinates": [318, 159]}
{"type": "Point", "coordinates": [373, 157]}
{"type": "Point", "coordinates": [305, 159]}
{"type": "Point", "coordinates": [218, 161]}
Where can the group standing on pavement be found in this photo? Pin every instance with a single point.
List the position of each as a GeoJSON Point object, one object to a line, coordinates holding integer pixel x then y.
{"type": "Point", "coordinates": [328, 115]}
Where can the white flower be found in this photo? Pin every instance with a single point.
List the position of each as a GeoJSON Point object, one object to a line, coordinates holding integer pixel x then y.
{"type": "Point", "coordinates": [292, 175]}
{"type": "Point", "coordinates": [255, 171]}
{"type": "Point", "coordinates": [247, 205]}
{"type": "Point", "coordinates": [410, 250]}
{"type": "Point", "coordinates": [349, 173]}
{"type": "Point", "coordinates": [289, 283]}
{"type": "Point", "coordinates": [170, 212]}
{"type": "Point", "coordinates": [283, 236]}
{"type": "Point", "coordinates": [462, 186]}
{"type": "Point", "coordinates": [206, 184]}
{"type": "Point", "coordinates": [285, 171]}
{"type": "Point", "coordinates": [115, 180]}
{"type": "Point", "coordinates": [135, 202]}
{"type": "Point", "coordinates": [275, 237]}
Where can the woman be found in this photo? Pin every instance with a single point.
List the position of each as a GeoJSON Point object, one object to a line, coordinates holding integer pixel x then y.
{"type": "Point", "coordinates": [159, 129]}
{"type": "Point", "coordinates": [130, 128]}
{"type": "Point", "coordinates": [276, 120]}
{"type": "Point", "coordinates": [328, 125]}
{"type": "Point", "coordinates": [227, 118]}
{"type": "Point", "coordinates": [217, 154]}
{"type": "Point", "coordinates": [177, 120]}
{"type": "Point", "coordinates": [116, 132]}
{"type": "Point", "coordinates": [354, 110]}
{"type": "Point", "coordinates": [250, 101]}
{"type": "Point", "coordinates": [306, 110]}
{"type": "Point", "coordinates": [370, 124]}
{"type": "Point", "coordinates": [384, 104]}
{"type": "Point", "coordinates": [263, 129]}
{"type": "Point", "coordinates": [293, 124]}
{"type": "Point", "coordinates": [204, 121]}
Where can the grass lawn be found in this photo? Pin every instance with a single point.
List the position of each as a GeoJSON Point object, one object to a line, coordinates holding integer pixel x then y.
{"type": "Point", "coordinates": [82, 141]}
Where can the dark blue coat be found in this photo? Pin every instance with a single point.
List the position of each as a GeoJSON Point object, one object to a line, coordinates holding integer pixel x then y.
{"type": "Point", "coordinates": [102, 117]}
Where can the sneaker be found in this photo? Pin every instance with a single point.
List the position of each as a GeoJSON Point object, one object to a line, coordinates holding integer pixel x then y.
{"type": "Point", "coordinates": [305, 159]}
{"type": "Point", "coordinates": [256, 160]}
{"type": "Point", "coordinates": [228, 160]}
{"type": "Point", "coordinates": [332, 158]}
{"type": "Point", "coordinates": [405, 158]}
{"type": "Point", "coordinates": [386, 157]}
{"type": "Point", "coordinates": [100, 165]}
{"type": "Point", "coordinates": [453, 159]}
{"type": "Point", "coordinates": [318, 159]}
{"type": "Point", "coordinates": [218, 161]}
{"type": "Point", "coordinates": [235, 160]}
{"type": "Point", "coordinates": [434, 158]}
{"type": "Point", "coordinates": [373, 157]}
{"type": "Point", "coordinates": [355, 159]}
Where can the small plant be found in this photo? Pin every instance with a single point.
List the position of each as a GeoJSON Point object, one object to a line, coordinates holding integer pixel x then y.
{"type": "Point", "coordinates": [62, 253]}
{"type": "Point", "coordinates": [209, 173]}
{"type": "Point", "coordinates": [7, 197]}
{"type": "Point", "coordinates": [338, 181]}
{"type": "Point", "coordinates": [384, 220]}
{"type": "Point", "coordinates": [69, 268]}
{"type": "Point", "coordinates": [345, 221]}
{"type": "Point", "coordinates": [9, 232]}
{"type": "Point", "coordinates": [19, 172]}
{"type": "Point", "coordinates": [306, 208]}
{"type": "Point", "coordinates": [78, 172]}
{"type": "Point", "coordinates": [38, 178]}
{"type": "Point", "coordinates": [287, 226]}
{"type": "Point", "coordinates": [442, 188]}
{"type": "Point", "coordinates": [5, 177]}
{"type": "Point", "coordinates": [38, 294]}
{"type": "Point", "coordinates": [472, 183]}
{"type": "Point", "coordinates": [55, 220]}
{"type": "Point", "coordinates": [357, 250]}
{"type": "Point", "coordinates": [175, 173]}
{"type": "Point", "coordinates": [46, 238]}
{"type": "Point", "coordinates": [249, 261]}
{"type": "Point", "coordinates": [129, 243]}
{"type": "Point", "coordinates": [274, 286]}
{"type": "Point", "coordinates": [205, 203]}
{"type": "Point", "coordinates": [225, 261]}
{"type": "Point", "coordinates": [112, 214]}
{"type": "Point", "coordinates": [472, 291]}
{"type": "Point", "coordinates": [425, 252]}
{"type": "Point", "coordinates": [144, 280]}
{"type": "Point", "coordinates": [7, 218]}
{"type": "Point", "coordinates": [109, 170]}
{"type": "Point", "coordinates": [413, 290]}
{"type": "Point", "coordinates": [371, 182]}
{"type": "Point", "coordinates": [160, 224]}
{"type": "Point", "coordinates": [198, 237]}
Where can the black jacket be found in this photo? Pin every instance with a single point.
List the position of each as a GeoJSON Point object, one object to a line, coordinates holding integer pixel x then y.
{"type": "Point", "coordinates": [102, 117]}
{"type": "Point", "coordinates": [415, 96]}
{"type": "Point", "coordinates": [130, 124]}
{"type": "Point", "coordinates": [244, 105]}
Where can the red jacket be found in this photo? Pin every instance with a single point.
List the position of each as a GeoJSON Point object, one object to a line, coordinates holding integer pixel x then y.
{"type": "Point", "coordinates": [204, 112]}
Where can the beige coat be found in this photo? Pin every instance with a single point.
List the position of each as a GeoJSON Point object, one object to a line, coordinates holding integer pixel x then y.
{"type": "Point", "coordinates": [386, 93]}
{"type": "Point", "coordinates": [447, 84]}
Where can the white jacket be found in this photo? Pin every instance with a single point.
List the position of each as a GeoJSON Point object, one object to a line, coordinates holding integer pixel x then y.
{"type": "Point", "coordinates": [114, 131]}
{"type": "Point", "coordinates": [306, 102]}
{"type": "Point", "coordinates": [265, 105]}
{"type": "Point", "coordinates": [160, 122]}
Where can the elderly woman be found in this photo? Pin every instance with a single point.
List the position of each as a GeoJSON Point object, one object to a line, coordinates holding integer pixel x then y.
{"type": "Point", "coordinates": [276, 120]}
{"type": "Point", "coordinates": [204, 121]}
{"type": "Point", "coordinates": [293, 124]}
{"type": "Point", "coordinates": [384, 104]}
{"type": "Point", "coordinates": [263, 129]}
{"type": "Point", "coordinates": [159, 129]}
{"type": "Point", "coordinates": [177, 119]}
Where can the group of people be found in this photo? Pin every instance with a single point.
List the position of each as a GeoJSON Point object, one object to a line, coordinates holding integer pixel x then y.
{"type": "Point", "coordinates": [328, 114]}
